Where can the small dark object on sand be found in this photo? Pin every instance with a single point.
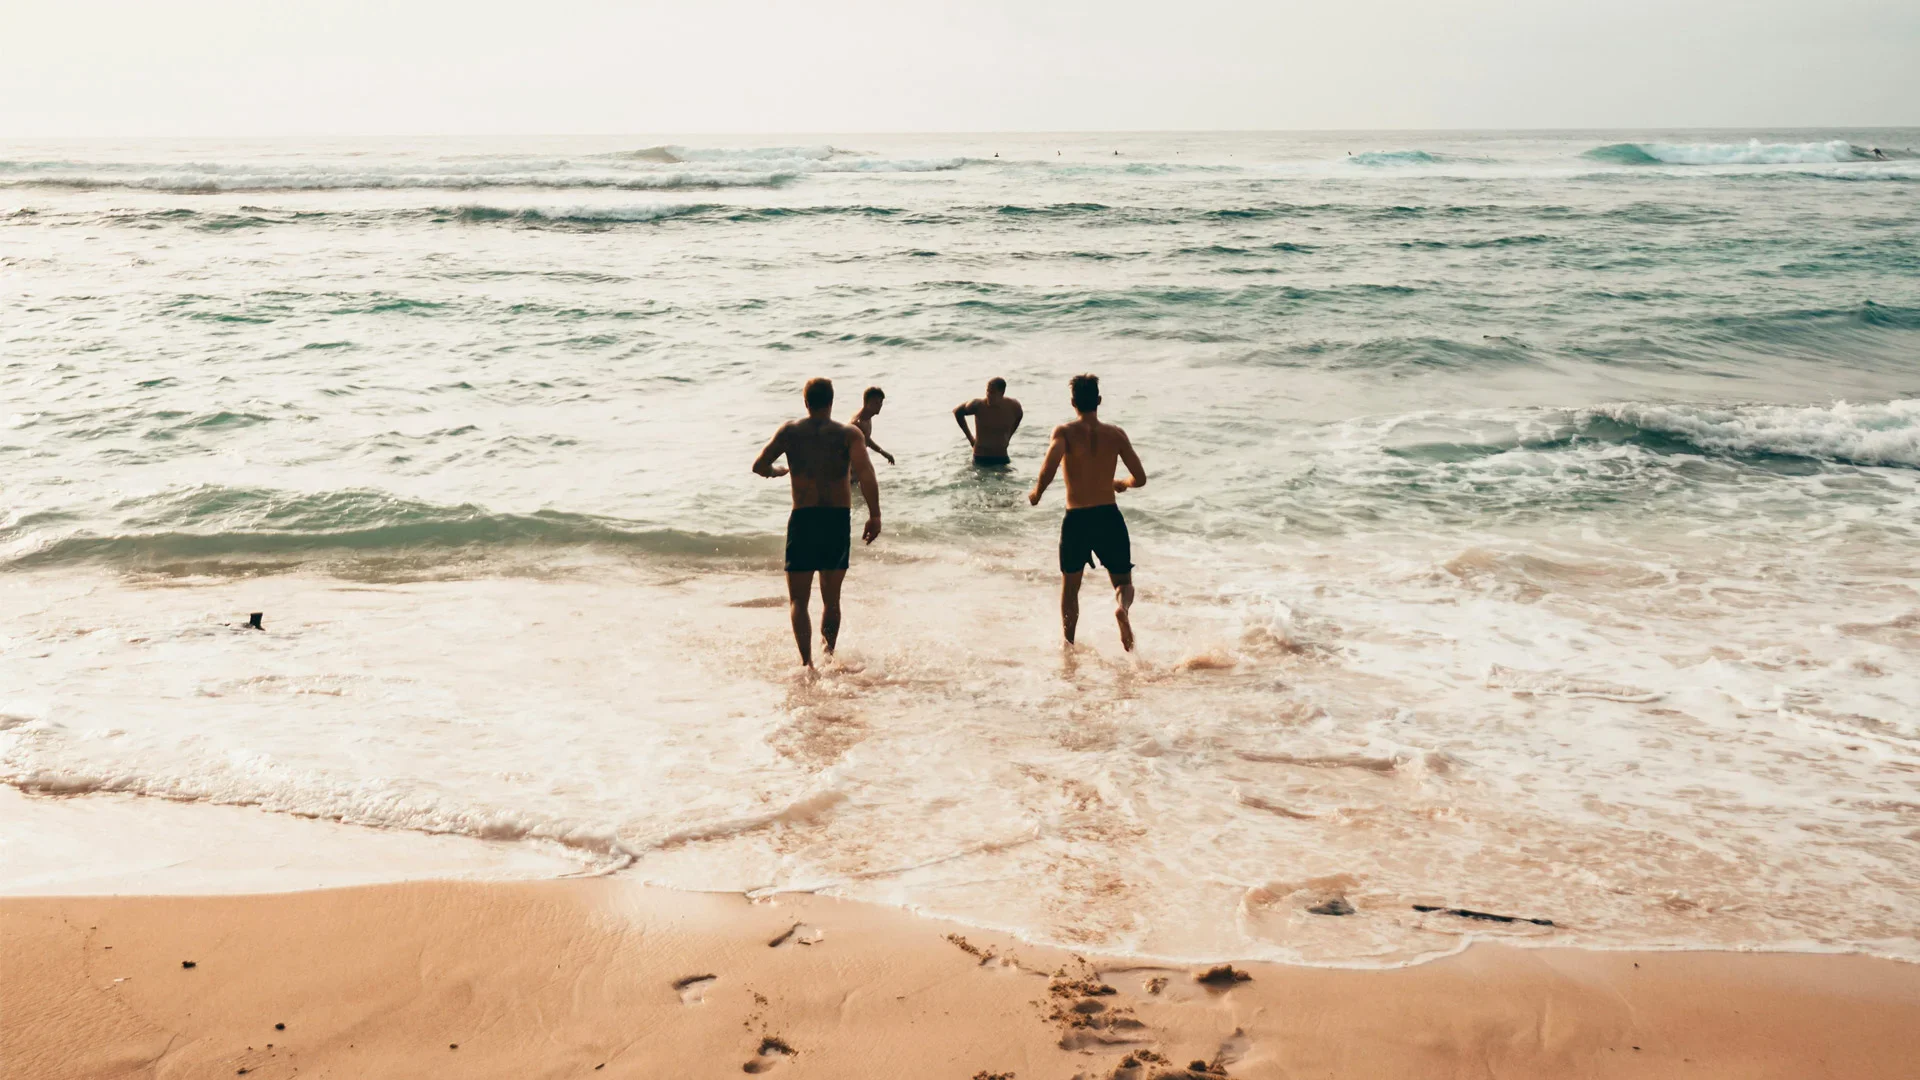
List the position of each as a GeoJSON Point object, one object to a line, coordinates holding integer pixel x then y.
{"type": "Point", "coordinates": [453, 1046]}
{"type": "Point", "coordinates": [1336, 906]}
{"type": "Point", "coordinates": [279, 1027]}
{"type": "Point", "coordinates": [1197, 1066]}
{"type": "Point", "coordinates": [1467, 913]}
{"type": "Point", "coordinates": [253, 621]}
{"type": "Point", "coordinates": [187, 964]}
{"type": "Point", "coordinates": [1223, 976]}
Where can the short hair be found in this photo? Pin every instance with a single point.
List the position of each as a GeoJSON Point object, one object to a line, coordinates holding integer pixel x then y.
{"type": "Point", "coordinates": [874, 392]}
{"type": "Point", "coordinates": [1086, 392]}
{"type": "Point", "coordinates": [819, 393]}
{"type": "Point", "coordinates": [996, 385]}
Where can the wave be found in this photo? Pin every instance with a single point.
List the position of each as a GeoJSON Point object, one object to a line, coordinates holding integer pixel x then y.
{"type": "Point", "coordinates": [1751, 152]}
{"type": "Point", "coordinates": [1886, 433]}
{"type": "Point", "coordinates": [574, 215]}
{"type": "Point", "coordinates": [1378, 158]}
{"type": "Point", "coordinates": [1883, 433]}
{"type": "Point", "coordinates": [803, 158]}
{"type": "Point", "coordinates": [204, 183]}
{"type": "Point", "coordinates": [654, 168]}
{"type": "Point", "coordinates": [211, 523]}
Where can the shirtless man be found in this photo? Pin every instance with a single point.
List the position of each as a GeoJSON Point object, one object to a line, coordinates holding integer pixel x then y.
{"type": "Point", "coordinates": [823, 456]}
{"type": "Point", "coordinates": [870, 403]}
{"type": "Point", "coordinates": [997, 417]}
{"type": "Point", "coordinates": [1093, 525]}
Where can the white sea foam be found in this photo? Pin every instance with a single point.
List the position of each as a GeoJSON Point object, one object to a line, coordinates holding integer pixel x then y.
{"type": "Point", "coordinates": [1884, 433]}
{"type": "Point", "coordinates": [1751, 152]}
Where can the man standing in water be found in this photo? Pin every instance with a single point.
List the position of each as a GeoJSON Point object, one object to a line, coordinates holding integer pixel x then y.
{"type": "Point", "coordinates": [823, 456]}
{"type": "Point", "coordinates": [996, 416]}
{"type": "Point", "coordinates": [1093, 525]}
{"type": "Point", "coordinates": [870, 404]}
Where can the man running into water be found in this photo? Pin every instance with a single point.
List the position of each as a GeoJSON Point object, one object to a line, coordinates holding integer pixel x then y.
{"type": "Point", "coordinates": [822, 458]}
{"type": "Point", "coordinates": [996, 417]}
{"type": "Point", "coordinates": [1093, 525]}
{"type": "Point", "coordinates": [870, 403]}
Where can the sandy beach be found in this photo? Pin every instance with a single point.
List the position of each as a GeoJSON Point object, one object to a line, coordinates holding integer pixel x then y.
{"type": "Point", "coordinates": [600, 976]}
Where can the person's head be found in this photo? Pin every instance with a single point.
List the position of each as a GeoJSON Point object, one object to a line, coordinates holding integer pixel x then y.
{"type": "Point", "coordinates": [819, 395]}
{"type": "Point", "coordinates": [873, 399]}
{"type": "Point", "coordinates": [996, 388]}
{"type": "Point", "coordinates": [1086, 393]}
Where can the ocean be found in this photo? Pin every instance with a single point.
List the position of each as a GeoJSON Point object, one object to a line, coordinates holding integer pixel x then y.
{"type": "Point", "coordinates": [1533, 526]}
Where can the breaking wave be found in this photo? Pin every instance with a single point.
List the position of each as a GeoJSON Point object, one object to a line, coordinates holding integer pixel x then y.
{"type": "Point", "coordinates": [1376, 158]}
{"type": "Point", "coordinates": [1751, 152]}
{"type": "Point", "coordinates": [209, 523]}
{"type": "Point", "coordinates": [1885, 433]}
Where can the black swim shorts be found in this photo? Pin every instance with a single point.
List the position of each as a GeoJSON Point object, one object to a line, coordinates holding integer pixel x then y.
{"type": "Point", "coordinates": [1095, 530]}
{"type": "Point", "coordinates": [819, 538]}
{"type": "Point", "coordinates": [991, 459]}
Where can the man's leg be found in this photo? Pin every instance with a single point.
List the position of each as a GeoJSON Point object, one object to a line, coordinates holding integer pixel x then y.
{"type": "Point", "coordinates": [1070, 603]}
{"type": "Point", "coordinates": [1122, 600]}
{"type": "Point", "coordinates": [830, 606]}
{"type": "Point", "coordinates": [799, 588]}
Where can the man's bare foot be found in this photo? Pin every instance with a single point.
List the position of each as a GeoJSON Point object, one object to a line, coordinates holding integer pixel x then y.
{"type": "Point", "coordinates": [1126, 628]}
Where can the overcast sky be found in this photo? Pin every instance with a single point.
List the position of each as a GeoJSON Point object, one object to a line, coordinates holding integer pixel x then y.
{"type": "Point", "coordinates": [255, 67]}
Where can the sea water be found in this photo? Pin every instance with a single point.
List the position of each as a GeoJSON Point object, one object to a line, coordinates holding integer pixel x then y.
{"type": "Point", "coordinates": [1532, 525]}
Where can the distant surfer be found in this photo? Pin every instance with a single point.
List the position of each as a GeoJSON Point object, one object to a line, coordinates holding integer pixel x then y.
{"type": "Point", "coordinates": [995, 418]}
{"type": "Point", "coordinates": [1093, 527]}
{"type": "Point", "coordinates": [870, 404]}
{"type": "Point", "coordinates": [823, 457]}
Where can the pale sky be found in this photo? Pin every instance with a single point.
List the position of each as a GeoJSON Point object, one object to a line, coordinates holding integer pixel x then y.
{"type": "Point", "coordinates": [346, 67]}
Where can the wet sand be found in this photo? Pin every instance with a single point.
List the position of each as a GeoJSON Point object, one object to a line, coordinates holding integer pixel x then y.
{"type": "Point", "coordinates": [603, 978]}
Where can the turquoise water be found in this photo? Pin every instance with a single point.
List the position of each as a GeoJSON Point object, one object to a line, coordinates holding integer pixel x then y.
{"type": "Point", "coordinates": [1576, 473]}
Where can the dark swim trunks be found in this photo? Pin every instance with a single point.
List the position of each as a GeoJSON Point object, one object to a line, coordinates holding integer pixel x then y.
{"type": "Point", "coordinates": [819, 538]}
{"type": "Point", "coordinates": [1095, 530]}
{"type": "Point", "coordinates": [991, 460]}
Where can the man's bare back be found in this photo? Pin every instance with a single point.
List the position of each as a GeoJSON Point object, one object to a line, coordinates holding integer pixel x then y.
{"type": "Point", "coordinates": [819, 459]}
{"type": "Point", "coordinates": [995, 418]}
{"type": "Point", "coordinates": [824, 458]}
{"type": "Point", "coordinates": [1092, 454]}
{"type": "Point", "coordinates": [1093, 528]}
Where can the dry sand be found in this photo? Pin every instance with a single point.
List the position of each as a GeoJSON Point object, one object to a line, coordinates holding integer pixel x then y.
{"type": "Point", "coordinates": [592, 979]}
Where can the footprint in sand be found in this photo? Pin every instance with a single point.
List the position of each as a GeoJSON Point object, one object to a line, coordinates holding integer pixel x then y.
{"type": "Point", "coordinates": [772, 1052]}
{"type": "Point", "coordinates": [798, 934]}
{"type": "Point", "coordinates": [693, 988]}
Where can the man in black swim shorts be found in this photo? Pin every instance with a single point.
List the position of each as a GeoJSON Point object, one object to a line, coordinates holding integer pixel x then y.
{"type": "Point", "coordinates": [823, 458]}
{"type": "Point", "coordinates": [996, 417]}
{"type": "Point", "coordinates": [1093, 528]}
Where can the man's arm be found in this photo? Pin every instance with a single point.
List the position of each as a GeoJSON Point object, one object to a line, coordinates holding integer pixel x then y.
{"type": "Point", "coordinates": [1056, 453]}
{"type": "Point", "coordinates": [869, 483]}
{"type": "Point", "coordinates": [1019, 414]}
{"type": "Point", "coordinates": [960, 414]}
{"type": "Point", "coordinates": [1132, 461]}
{"type": "Point", "coordinates": [764, 464]}
{"type": "Point", "coordinates": [875, 447]}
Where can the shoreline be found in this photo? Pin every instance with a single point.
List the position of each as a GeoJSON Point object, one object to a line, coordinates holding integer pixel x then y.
{"type": "Point", "coordinates": [156, 852]}
{"type": "Point", "coordinates": [604, 977]}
